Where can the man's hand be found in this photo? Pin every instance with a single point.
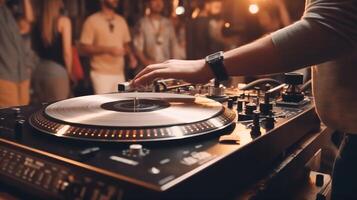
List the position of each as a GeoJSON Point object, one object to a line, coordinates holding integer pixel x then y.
{"type": "Point", "coordinates": [192, 71]}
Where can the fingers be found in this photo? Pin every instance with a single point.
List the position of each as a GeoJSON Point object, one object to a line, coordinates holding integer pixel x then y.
{"type": "Point", "coordinates": [149, 77]}
{"type": "Point", "coordinates": [162, 70]}
{"type": "Point", "coordinates": [149, 69]}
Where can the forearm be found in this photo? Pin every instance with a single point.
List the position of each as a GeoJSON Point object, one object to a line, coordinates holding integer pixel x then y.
{"type": "Point", "coordinates": [94, 50]}
{"type": "Point", "coordinates": [259, 57]}
{"type": "Point", "coordinates": [28, 10]}
{"type": "Point", "coordinates": [68, 59]}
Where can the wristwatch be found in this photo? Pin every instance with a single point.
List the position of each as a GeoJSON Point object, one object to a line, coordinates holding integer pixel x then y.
{"type": "Point", "coordinates": [215, 62]}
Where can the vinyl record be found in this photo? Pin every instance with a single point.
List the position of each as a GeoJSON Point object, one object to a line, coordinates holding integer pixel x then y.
{"type": "Point", "coordinates": [132, 116]}
{"type": "Point", "coordinates": [119, 110]}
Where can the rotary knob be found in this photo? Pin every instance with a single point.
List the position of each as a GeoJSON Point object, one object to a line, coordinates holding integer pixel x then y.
{"type": "Point", "coordinates": [269, 122]}
{"type": "Point", "coordinates": [240, 105]}
{"type": "Point", "coordinates": [250, 108]}
{"type": "Point", "coordinates": [266, 107]}
{"type": "Point", "coordinates": [136, 149]}
{"type": "Point", "coordinates": [255, 130]}
{"type": "Point", "coordinates": [230, 103]}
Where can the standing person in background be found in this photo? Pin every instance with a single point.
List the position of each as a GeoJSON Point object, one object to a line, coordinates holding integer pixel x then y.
{"type": "Point", "coordinates": [155, 40]}
{"type": "Point", "coordinates": [24, 18]}
{"type": "Point", "coordinates": [53, 37]}
{"type": "Point", "coordinates": [14, 71]}
{"type": "Point", "coordinates": [106, 39]}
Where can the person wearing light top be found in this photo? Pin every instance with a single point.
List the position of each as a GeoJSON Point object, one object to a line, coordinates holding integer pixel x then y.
{"type": "Point", "coordinates": [325, 37]}
{"type": "Point", "coordinates": [155, 40]}
{"type": "Point", "coordinates": [106, 39]}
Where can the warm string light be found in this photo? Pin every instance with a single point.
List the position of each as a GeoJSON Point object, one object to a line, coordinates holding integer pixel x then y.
{"type": "Point", "coordinates": [253, 8]}
{"type": "Point", "coordinates": [179, 9]}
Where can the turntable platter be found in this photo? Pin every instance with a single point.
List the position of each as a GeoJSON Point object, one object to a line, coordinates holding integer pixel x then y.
{"type": "Point", "coordinates": [118, 110]}
{"type": "Point", "coordinates": [129, 117]}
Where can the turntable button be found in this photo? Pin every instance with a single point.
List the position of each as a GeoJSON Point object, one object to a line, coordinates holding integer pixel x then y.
{"type": "Point", "coordinates": [88, 153]}
{"type": "Point", "coordinates": [136, 149]}
{"type": "Point", "coordinates": [154, 170]}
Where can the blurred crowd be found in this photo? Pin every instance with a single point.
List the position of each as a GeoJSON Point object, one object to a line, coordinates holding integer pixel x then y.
{"type": "Point", "coordinates": [48, 55]}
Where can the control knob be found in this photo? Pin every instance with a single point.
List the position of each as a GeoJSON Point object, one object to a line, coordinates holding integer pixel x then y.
{"type": "Point", "coordinates": [255, 130]}
{"type": "Point", "coordinates": [266, 107]}
{"type": "Point", "coordinates": [269, 122]}
{"type": "Point", "coordinates": [240, 105]}
{"type": "Point", "coordinates": [250, 108]}
{"type": "Point", "coordinates": [230, 103]}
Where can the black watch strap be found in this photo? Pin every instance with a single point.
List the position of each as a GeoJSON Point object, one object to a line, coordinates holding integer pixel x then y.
{"type": "Point", "coordinates": [215, 62]}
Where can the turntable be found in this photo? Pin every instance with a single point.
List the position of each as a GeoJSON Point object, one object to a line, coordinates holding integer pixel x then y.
{"type": "Point", "coordinates": [132, 117]}
{"type": "Point", "coordinates": [140, 146]}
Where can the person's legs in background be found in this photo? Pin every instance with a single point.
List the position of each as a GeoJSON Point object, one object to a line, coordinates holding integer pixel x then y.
{"type": "Point", "coordinates": [50, 82]}
{"type": "Point", "coordinates": [106, 83]}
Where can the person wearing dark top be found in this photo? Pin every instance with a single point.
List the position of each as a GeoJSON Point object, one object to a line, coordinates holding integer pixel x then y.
{"type": "Point", "coordinates": [14, 69]}
{"type": "Point", "coordinates": [53, 44]}
{"type": "Point", "coordinates": [54, 52]}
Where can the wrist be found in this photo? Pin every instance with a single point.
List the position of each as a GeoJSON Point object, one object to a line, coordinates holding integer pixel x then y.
{"type": "Point", "coordinates": [216, 64]}
{"type": "Point", "coordinates": [207, 71]}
